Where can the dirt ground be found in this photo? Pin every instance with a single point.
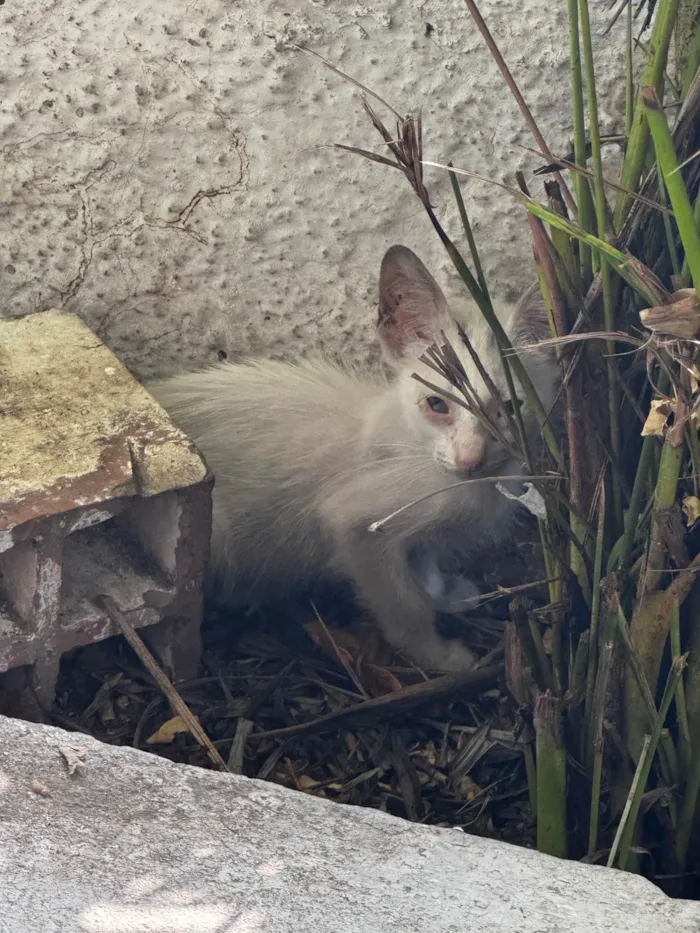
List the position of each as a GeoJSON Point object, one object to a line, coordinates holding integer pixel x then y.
{"type": "Point", "coordinates": [450, 762]}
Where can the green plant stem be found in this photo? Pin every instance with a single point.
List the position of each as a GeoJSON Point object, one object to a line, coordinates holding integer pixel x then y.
{"type": "Point", "coordinates": [624, 819]}
{"type": "Point", "coordinates": [684, 743]}
{"type": "Point", "coordinates": [613, 387]}
{"type": "Point", "coordinates": [636, 500]}
{"type": "Point", "coordinates": [690, 799]}
{"type": "Point", "coordinates": [664, 497]}
{"type": "Point", "coordinates": [480, 293]}
{"type": "Point", "coordinates": [667, 757]}
{"type": "Point", "coordinates": [464, 217]}
{"type": "Point", "coordinates": [646, 759]}
{"type": "Point", "coordinates": [598, 748]}
{"type": "Point", "coordinates": [510, 358]}
{"type": "Point", "coordinates": [659, 43]}
{"type": "Point", "coordinates": [583, 195]}
{"type": "Point", "coordinates": [531, 643]}
{"type": "Point", "coordinates": [608, 629]}
{"type": "Point", "coordinates": [618, 260]}
{"type": "Point", "coordinates": [592, 669]}
{"type": "Point", "coordinates": [607, 283]}
{"type": "Point", "coordinates": [593, 124]}
{"type": "Point", "coordinates": [693, 442]}
{"type": "Point", "coordinates": [667, 480]}
{"type": "Point", "coordinates": [687, 813]}
{"type": "Point", "coordinates": [687, 43]}
{"type": "Point", "coordinates": [629, 73]}
{"type": "Point", "coordinates": [685, 271]}
{"type": "Point", "coordinates": [668, 230]}
{"type": "Point", "coordinates": [531, 772]}
{"type": "Point", "coordinates": [551, 776]}
{"type": "Point", "coordinates": [673, 179]}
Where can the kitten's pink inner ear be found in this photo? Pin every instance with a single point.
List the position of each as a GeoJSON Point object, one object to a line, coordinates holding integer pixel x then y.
{"type": "Point", "coordinates": [412, 307]}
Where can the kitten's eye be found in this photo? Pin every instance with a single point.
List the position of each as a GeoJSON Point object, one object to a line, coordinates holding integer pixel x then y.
{"type": "Point", "coordinates": [438, 405]}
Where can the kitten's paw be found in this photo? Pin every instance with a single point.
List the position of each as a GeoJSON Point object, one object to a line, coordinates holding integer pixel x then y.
{"type": "Point", "coordinates": [448, 655]}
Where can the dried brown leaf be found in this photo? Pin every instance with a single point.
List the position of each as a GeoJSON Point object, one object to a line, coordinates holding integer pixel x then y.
{"type": "Point", "coordinates": [680, 318]}
{"type": "Point", "coordinates": [379, 680]}
{"type": "Point", "coordinates": [657, 418]}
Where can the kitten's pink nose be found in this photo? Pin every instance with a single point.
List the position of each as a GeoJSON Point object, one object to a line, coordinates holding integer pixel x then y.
{"type": "Point", "coordinates": [471, 458]}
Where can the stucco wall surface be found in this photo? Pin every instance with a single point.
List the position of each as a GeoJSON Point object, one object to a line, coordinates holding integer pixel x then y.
{"type": "Point", "coordinates": [165, 170]}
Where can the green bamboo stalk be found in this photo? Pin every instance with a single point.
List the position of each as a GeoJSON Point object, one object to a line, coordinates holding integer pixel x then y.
{"type": "Point", "coordinates": [668, 230]}
{"type": "Point", "coordinates": [591, 673]}
{"type": "Point", "coordinates": [692, 65]}
{"type": "Point", "coordinates": [667, 757]}
{"type": "Point", "coordinates": [688, 43]}
{"type": "Point", "coordinates": [638, 144]}
{"type": "Point", "coordinates": [684, 742]}
{"type": "Point", "coordinates": [616, 258]}
{"type": "Point", "coordinates": [645, 760]}
{"type": "Point", "coordinates": [636, 500]}
{"type": "Point", "coordinates": [670, 169]}
{"type": "Point", "coordinates": [596, 781]}
{"type": "Point", "coordinates": [664, 498]}
{"type": "Point", "coordinates": [583, 195]}
{"type": "Point", "coordinates": [607, 283]}
{"type": "Point", "coordinates": [531, 773]}
{"type": "Point", "coordinates": [551, 776]}
{"type": "Point", "coordinates": [531, 643]}
{"type": "Point", "coordinates": [693, 442]}
{"type": "Point", "coordinates": [685, 271]}
{"type": "Point", "coordinates": [549, 563]}
{"type": "Point", "coordinates": [629, 73]}
{"type": "Point", "coordinates": [667, 479]}
{"type": "Point", "coordinates": [593, 124]}
{"type": "Point", "coordinates": [624, 819]}
{"type": "Point", "coordinates": [578, 664]}
{"type": "Point", "coordinates": [609, 607]}
{"type": "Point", "coordinates": [686, 817]}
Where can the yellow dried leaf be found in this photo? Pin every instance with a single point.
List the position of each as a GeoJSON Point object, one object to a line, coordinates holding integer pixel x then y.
{"type": "Point", "coordinates": [691, 507]}
{"type": "Point", "coordinates": [657, 417]}
{"type": "Point", "coordinates": [468, 789]}
{"type": "Point", "coordinates": [306, 782]}
{"type": "Point", "coordinates": [167, 731]}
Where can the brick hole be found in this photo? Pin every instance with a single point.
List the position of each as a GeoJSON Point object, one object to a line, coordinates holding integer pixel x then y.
{"type": "Point", "coordinates": [108, 558]}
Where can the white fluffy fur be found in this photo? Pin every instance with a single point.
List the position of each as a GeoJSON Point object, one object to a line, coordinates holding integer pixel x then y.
{"type": "Point", "coordinates": [307, 455]}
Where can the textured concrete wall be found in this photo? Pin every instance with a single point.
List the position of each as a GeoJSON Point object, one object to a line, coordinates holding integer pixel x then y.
{"type": "Point", "coordinates": [163, 172]}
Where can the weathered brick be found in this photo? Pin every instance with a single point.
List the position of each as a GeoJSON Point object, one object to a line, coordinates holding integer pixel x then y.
{"type": "Point", "coordinates": [100, 493]}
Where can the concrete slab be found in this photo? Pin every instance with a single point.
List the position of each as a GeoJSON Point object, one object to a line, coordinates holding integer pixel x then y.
{"type": "Point", "coordinates": [130, 843]}
{"type": "Point", "coordinates": [76, 428]}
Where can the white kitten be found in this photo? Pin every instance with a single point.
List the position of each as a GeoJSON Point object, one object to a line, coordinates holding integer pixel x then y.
{"type": "Point", "coordinates": [307, 455]}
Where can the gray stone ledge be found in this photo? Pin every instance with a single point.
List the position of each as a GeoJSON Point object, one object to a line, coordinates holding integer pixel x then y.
{"type": "Point", "coordinates": [131, 843]}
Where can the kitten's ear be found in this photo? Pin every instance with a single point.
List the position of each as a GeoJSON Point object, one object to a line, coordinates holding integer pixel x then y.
{"type": "Point", "coordinates": [412, 307]}
{"type": "Point", "coordinates": [529, 322]}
